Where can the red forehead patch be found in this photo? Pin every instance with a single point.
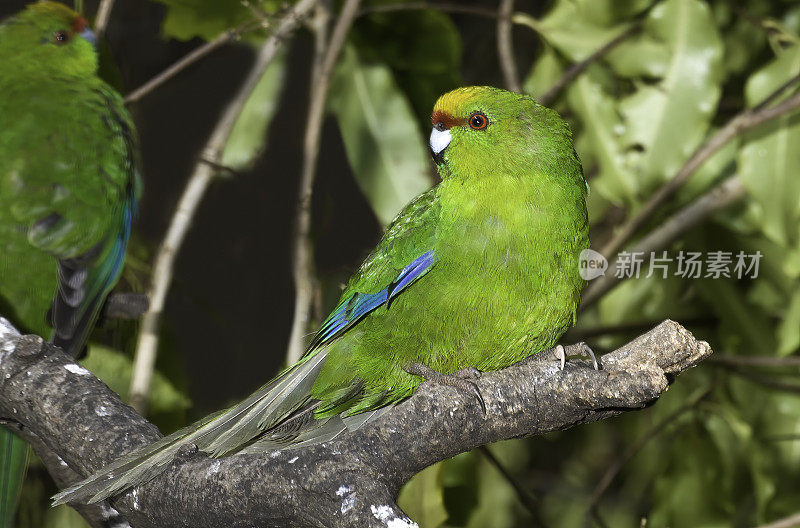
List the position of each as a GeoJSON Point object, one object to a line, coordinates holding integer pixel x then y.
{"type": "Point", "coordinates": [79, 25]}
{"type": "Point", "coordinates": [447, 120]}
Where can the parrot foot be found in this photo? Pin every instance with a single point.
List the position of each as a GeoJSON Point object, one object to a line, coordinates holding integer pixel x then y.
{"type": "Point", "coordinates": [462, 380]}
{"type": "Point", "coordinates": [577, 349]}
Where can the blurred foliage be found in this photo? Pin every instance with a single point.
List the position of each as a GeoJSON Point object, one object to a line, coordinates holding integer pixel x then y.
{"type": "Point", "coordinates": [638, 114]}
{"type": "Point", "coordinates": [249, 135]}
{"type": "Point", "coordinates": [115, 368]}
{"type": "Point", "coordinates": [389, 162]}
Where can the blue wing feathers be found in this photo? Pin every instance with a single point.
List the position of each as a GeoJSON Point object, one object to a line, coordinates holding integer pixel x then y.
{"type": "Point", "coordinates": [410, 273]}
{"type": "Point", "coordinates": [358, 305]}
{"type": "Point", "coordinates": [84, 283]}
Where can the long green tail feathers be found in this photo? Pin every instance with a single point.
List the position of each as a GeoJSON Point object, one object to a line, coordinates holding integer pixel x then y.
{"type": "Point", "coordinates": [13, 462]}
{"type": "Point", "coordinates": [220, 434]}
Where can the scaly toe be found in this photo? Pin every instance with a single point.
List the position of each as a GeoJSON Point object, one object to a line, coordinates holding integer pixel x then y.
{"type": "Point", "coordinates": [457, 380]}
{"type": "Point", "coordinates": [468, 373]}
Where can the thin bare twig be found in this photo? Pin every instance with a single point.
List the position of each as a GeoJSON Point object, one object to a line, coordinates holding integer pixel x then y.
{"type": "Point", "coordinates": [302, 253]}
{"type": "Point", "coordinates": [769, 382]}
{"type": "Point", "coordinates": [756, 361]}
{"type": "Point", "coordinates": [505, 46]}
{"type": "Point", "coordinates": [781, 438]}
{"type": "Point", "coordinates": [574, 71]}
{"type": "Point", "coordinates": [741, 123]}
{"type": "Point", "coordinates": [613, 470]}
{"type": "Point", "coordinates": [723, 195]}
{"type": "Point", "coordinates": [792, 521]}
{"type": "Point", "coordinates": [194, 56]}
{"type": "Point", "coordinates": [779, 91]}
{"type": "Point", "coordinates": [102, 18]}
{"type": "Point", "coordinates": [444, 7]}
{"type": "Point", "coordinates": [204, 172]}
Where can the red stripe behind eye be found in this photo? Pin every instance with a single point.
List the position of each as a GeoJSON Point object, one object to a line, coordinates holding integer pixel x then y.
{"type": "Point", "coordinates": [79, 25]}
{"type": "Point", "coordinates": [447, 120]}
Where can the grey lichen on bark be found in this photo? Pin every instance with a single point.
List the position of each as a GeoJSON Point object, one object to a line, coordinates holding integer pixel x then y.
{"type": "Point", "coordinates": [352, 481]}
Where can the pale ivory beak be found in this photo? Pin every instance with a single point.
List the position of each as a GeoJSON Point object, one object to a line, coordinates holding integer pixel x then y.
{"type": "Point", "coordinates": [439, 141]}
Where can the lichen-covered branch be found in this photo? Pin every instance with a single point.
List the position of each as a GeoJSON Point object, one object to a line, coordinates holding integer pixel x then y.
{"type": "Point", "coordinates": [352, 481]}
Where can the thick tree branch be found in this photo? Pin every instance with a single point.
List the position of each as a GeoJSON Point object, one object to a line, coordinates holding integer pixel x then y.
{"type": "Point", "coordinates": [352, 481]}
{"type": "Point", "coordinates": [99, 515]}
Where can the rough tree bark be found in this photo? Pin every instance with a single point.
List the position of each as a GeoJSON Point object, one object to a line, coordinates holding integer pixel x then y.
{"type": "Point", "coordinates": [350, 482]}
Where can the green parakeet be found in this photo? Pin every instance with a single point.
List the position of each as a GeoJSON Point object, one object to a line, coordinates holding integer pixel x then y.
{"type": "Point", "coordinates": [478, 272]}
{"type": "Point", "coordinates": [68, 183]}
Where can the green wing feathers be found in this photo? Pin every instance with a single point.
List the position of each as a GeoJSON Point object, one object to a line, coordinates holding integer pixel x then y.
{"type": "Point", "coordinates": [283, 413]}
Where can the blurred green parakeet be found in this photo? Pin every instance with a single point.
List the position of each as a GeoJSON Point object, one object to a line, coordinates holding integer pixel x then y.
{"type": "Point", "coordinates": [476, 273]}
{"type": "Point", "coordinates": [68, 183]}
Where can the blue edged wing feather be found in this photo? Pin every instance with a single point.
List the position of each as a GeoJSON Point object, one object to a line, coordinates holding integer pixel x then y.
{"type": "Point", "coordinates": [280, 414]}
{"type": "Point", "coordinates": [355, 307]}
{"type": "Point", "coordinates": [85, 281]}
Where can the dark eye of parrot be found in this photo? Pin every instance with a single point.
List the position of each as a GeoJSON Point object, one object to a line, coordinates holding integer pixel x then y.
{"type": "Point", "coordinates": [478, 121]}
{"type": "Point", "coordinates": [61, 37]}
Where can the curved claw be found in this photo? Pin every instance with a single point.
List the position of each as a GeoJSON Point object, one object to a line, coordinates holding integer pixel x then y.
{"type": "Point", "coordinates": [582, 349]}
{"type": "Point", "coordinates": [462, 380]}
{"type": "Point", "coordinates": [578, 349]}
{"type": "Point", "coordinates": [561, 355]}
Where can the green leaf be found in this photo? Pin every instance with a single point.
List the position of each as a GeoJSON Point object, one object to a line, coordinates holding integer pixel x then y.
{"type": "Point", "coordinates": [600, 138]}
{"type": "Point", "coordinates": [383, 144]}
{"type": "Point", "coordinates": [422, 498]}
{"type": "Point", "coordinates": [769, 163]}
{"type": "Point", "coordinates": [721, 164]}
{"type": "Point", "coordinates": [745, 331]}
{"type": "Point", "coordinates": [496, 496]}
{"type": "Point", "coordinates": [608, 12]}
{"type": "Point", "coordinates": [744, 41]}
{"type": "Point", "coordinates": [668, 120]}
{"type": "Point", "coordinates": [544, 73]}
{"type": "Point", "coordinates": [641, 56]}
{"type": "Point", "coordinates": [571, 28]}
{"type": "Point", "coordinates": [249, 135]}
{"type": "Point", "coordinates": [789, 328]}
{"type": "Point", "coordinates": [421, 47]}
{"type": "Point", "coordinates": [115, 368]}
{"type": "Point", "coordinates": [187, 19]}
